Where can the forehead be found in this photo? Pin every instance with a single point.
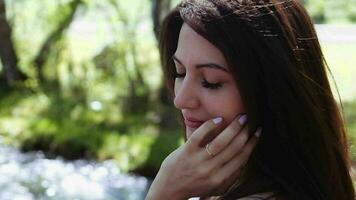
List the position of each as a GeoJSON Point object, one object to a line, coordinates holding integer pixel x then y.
{"type": "Point", "coordinates": [192, 47]}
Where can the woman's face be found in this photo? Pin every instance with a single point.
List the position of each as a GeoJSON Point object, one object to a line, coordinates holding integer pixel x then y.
{"type": "Point", "coordinates": [204, 88]}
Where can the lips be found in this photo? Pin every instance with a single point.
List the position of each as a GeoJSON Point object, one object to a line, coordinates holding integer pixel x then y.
{"type": "Point", "coordinates": [192, 123]}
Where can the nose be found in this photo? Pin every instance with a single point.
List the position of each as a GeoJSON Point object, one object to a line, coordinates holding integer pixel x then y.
{"type": "Point", "coordinates": [186, 95]}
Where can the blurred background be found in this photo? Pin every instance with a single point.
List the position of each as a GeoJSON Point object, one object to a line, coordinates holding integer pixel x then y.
{"type": "Point", "coordinates": [83, 111]}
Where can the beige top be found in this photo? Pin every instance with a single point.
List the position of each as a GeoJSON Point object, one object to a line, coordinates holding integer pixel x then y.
{"type": "Point", "coordinates": [259, 196]}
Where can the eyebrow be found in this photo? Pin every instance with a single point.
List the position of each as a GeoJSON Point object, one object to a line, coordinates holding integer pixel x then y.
{"type": "Point", "coordinates": [208, 65]}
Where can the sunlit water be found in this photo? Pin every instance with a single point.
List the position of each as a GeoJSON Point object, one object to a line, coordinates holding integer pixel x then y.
{"type": "Point", "coordinates": [31, 176]}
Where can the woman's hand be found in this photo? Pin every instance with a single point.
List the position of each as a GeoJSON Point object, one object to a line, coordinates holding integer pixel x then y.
{"type": "Point", "coordinates": [190, 170]}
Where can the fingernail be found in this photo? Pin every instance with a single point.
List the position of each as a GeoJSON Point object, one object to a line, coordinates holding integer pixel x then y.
{"type": "Point", "coordinates": [217, 120]}
{"type": "Point", "coordinates": [243, 119]}
{"type": "Point", "coordinates": [258, 132]}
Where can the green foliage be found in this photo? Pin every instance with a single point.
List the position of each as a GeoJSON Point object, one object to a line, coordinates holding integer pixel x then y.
{"type": "Point", "coordinates": [331, 11]}
{"type": "Point", "coordinates": [336, 11]}
{"type": "Point", "coordinates": [129, 151]}
{"type": "Point", "coordinates": [32, 22]}
{"type": "Point", "coordinates": [351, 10]}
{"type": "Point", "coordinates": [316, 10]}
{"type": "Point", "coordinates": [68, 128]}
{"type": "Point", "coordinates": [350, 118]}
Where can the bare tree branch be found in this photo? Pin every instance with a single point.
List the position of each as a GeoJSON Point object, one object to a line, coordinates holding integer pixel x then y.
{"type": "Point", "coordinates": [56, 35]}
{"type": "Point", "coordinates": [7, 51]}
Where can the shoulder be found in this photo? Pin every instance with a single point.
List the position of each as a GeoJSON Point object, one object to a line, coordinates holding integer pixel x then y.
{"type": "Point", "coordinates": [259, 196]}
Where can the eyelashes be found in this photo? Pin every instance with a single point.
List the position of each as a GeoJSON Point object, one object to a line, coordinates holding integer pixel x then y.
{"type": "Point", "coordinates": [177, 75]}
{"type": "Point", "coordinates": [209, 85]}
{"type": "Point", "coordinates": [204, 82]}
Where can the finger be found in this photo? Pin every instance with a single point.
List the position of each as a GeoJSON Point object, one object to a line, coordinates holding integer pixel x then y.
{"type": "Point", "coordinates": [229, 173]}
{"type": "Point", "coordinates": [240, 159]}
{"type": "Point", "coordinates": [197, 137]}
{"type": "Point", "coordinates": [226, 136]}
{"type": "Point", "coordinates": [233, 148]}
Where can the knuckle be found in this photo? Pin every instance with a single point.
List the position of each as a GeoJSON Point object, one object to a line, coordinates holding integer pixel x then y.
{"type": "Point", "coordinates": [216, 145]}
{"type": "Point", "coordinates": [239, 142]}
{"type": "Point", "coordinates": [244, 136]}
{"type": "Point", "coordinates": [226, 155]}
{"type": "Point", "coordinates": [194, 139]}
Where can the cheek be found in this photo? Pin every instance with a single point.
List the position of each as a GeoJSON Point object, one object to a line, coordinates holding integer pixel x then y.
{"type": "Point", "coordinates": [227, 105]}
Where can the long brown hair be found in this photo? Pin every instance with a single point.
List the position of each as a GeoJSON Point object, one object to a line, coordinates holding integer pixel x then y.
{"type": "Point", "coordinates": [273, 52]}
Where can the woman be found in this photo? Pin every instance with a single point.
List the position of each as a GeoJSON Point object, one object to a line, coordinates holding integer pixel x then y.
{"type": "Point", "coordinates": [236, 67]}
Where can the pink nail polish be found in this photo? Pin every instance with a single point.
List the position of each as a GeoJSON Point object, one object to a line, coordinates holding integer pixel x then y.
{"type": "Point", "coordinates": [243, 119]}
{"type": "Point", "coordinates": [217, 120]}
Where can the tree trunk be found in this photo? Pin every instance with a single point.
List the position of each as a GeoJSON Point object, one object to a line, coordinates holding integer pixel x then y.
{"type": "Point", "coordinates": [56, 35]}
{"type": "Point", "coordinates": [159, 10]}
{"type": "Point", "coordinates": [167, 112]}
{"type": "Point", "coordinates": [168, 116]}
{"type": "Point", "coordinates": [8, 54]}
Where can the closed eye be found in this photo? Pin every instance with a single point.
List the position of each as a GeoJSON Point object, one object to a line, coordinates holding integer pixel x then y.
{"type": "Point", "coordinates": [209, 85]}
